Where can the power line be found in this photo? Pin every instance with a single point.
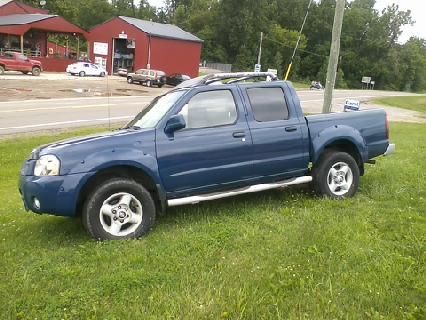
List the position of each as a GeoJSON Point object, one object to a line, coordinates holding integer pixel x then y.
{"type": "Point", "coordinates": [298, 39]}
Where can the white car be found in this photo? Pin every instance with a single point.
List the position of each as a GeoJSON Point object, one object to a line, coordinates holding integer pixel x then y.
{"type": "Point", "coordinates": [86, 69]}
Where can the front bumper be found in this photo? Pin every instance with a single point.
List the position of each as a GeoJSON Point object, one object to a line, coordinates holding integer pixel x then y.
{"type": "Point", "coordinates": [56, 195]}
{"type": "Point", "coordinates": [390, 150]}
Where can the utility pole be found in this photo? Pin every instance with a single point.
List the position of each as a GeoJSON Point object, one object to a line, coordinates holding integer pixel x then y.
{"type": "Point", "coordinates": [259, 57]}
{"type": "Point", "coordinates": [334, 56]}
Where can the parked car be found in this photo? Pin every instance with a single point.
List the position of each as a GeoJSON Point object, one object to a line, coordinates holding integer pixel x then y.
{"type": "Point", "coordinates": [86, 69]}
{"type": "Point", "coordinates": [316, 85]}
{"type": "Point", "coordinates": [201, 142]}
{"type": "Point", "coordinates": [14, 61]}
{"type": "Point", "coordinates": [176, 79]}
{"type": "Point", "coordinates": [122, 72]}
{"type": "Point", "coordinates": [148, 77]}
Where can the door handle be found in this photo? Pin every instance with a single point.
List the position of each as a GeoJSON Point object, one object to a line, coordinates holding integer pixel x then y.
{"type": "Point", "coordinates": [290, 129]}
{"type": "Point", "coordinates": [239, 134]}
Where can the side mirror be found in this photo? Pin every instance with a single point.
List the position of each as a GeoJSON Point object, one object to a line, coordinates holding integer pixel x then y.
{"type": "Point", "coordinates": [175, 123]}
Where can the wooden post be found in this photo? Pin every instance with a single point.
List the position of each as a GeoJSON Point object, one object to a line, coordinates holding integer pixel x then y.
{"type": "Point", "coordinates": [78, 47]}
{"type": "Point", "coordinates": [22, 43]}
{"type": "Point", "coordinates": [334, 56]}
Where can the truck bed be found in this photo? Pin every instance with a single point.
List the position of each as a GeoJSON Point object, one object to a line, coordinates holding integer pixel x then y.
{"type": "Point", "coordinates": [368, 127]}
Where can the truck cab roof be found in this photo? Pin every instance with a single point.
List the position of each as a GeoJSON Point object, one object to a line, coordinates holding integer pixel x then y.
{"type": "Point", "coordinates": [227, 78]}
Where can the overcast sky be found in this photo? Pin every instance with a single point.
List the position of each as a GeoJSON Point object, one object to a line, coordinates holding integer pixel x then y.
{"type": "Point", "coordinates": [417, 7]}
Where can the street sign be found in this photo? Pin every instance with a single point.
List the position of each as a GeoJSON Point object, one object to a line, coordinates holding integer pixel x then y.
{"type": "Point", "coordinates": [351, 105]}
{"type": "Point", "coordinates": [366, 80]}
{"type": "Point", "coordinates": [257, 67]}
{"type": "Point", "coordinates": [274, 71]}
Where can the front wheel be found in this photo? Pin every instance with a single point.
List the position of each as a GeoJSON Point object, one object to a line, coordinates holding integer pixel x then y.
{"type": "Point", "coordinates": [149, 84]}
{"type": "Point", "coordinates": [36, 71]}
{"type": "Point", "coordinates": [119, 209]}
{"type": "Point", "coordinates": [129, 80]}
{"type": "Point", "coordinates": [336, 175]}
{"type": "Point", "coordinates": [82, 74]}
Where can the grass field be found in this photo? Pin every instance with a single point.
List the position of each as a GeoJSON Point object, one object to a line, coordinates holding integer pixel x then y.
{"type": "Point", "coordinates": [415, 103]}
{"type": "Point", "coordinates": [274, 255]}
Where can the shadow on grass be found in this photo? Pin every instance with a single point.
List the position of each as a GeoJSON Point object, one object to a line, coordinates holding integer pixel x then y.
{"type": "Point", "coordinates": [52, 232]}
{"type": "Point", "coordinates": [275, 198]}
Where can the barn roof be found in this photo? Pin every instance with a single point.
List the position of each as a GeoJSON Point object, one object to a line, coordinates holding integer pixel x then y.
{"type": "Point", "coordinates": [4, 2]}
{"type": "Point", "coordinates": [20, 19]}
{"type": "Point", "coordinates": [19, 24]}
{"type": "Point", "coordinates": [161, 30]}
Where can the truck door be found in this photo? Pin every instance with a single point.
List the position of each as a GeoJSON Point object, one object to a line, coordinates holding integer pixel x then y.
{"type": "Point", "coordinates": [279, 148]}
{"type": "Point", "coordinates": [21, 63]}
{"type": "Point", "coordinates": [214, 149]}
{"type": "Point", "coordinates": [11, 63]}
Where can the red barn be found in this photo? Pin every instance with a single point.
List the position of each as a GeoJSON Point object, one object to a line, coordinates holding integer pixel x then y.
{"type": "Point", "coordinates": [8, 7]}
{"type": "Point", "coordinates": [26, 29]}
{"type": "Point", "coordinates": [131, 43]}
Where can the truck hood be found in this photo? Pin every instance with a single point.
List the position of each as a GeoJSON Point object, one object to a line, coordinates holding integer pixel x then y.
{"type": "Point", "coordinates": [84, 154]}
{"type": "Point", "coordinates": [90, 142]}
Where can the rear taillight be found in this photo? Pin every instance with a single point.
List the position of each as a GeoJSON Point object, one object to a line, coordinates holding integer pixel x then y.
{"type": "Point", "coordinates": [387, 127]}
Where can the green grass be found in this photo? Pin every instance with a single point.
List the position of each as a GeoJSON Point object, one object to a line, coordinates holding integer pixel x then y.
{"type": "Point", "coordinates": [415, 103]}
{"type": "Point", "coordinates": [274, 255]}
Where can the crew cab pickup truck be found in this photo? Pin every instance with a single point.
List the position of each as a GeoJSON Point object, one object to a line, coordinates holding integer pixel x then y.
{"type": "Point", "coordinates": [13, 61]}
{"type": "Point", "coordinates": [211, 137]}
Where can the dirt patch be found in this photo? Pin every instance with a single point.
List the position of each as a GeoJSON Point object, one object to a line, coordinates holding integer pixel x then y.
{"type": "Point", "coordinates": [398, 114]}
{"type": "Point", "coordinates": [18, 89]}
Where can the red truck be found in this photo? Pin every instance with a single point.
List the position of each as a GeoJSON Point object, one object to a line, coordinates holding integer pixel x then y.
{"type": "Point", "coordinates": [15, 61]}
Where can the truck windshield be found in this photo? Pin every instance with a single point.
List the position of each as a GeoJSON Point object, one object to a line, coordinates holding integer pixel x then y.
{"type": "Point", "coordinates": [152, 114]}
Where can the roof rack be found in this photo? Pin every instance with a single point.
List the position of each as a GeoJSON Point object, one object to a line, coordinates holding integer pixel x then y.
{"type": "Point", "coordinates": [234, 77]}
{"type": "Point", "coordinates": [238, 76]}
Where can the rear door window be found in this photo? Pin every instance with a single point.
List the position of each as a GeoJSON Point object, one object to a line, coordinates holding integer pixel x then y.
{"type": "Point", "coordinates": [268, 104]}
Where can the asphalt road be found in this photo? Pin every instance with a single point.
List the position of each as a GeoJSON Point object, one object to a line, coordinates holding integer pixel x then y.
{"type": "Point", "coordinates": [30, 116]}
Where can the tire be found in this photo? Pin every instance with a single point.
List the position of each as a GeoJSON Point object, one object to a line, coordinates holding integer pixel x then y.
{"type": "Point", "coordinates": [36, 71]}
{"type": "Point", "coordinates": [102, 74]}
{"type": "Point", "coordinates": [336, 175]}
{"type": "Point", "coordinates": [1, 70]}
{"type": "Point", "coordinates": [160, 85]}
{"type": "Point", "coordinates": [82, 74]}
{"type": "Point", "coordinates": [129, 80]}
{"type": "Point", "coordinates": [148, 83]}
{"type": "Point", "coordinates": [106, 216]}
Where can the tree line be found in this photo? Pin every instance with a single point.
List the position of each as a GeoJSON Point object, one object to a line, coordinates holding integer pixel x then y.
{"type": "Point", "coordinates": [231, 33]}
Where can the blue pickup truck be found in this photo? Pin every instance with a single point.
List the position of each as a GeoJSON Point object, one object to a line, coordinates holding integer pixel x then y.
{"type": "Point", "coordinates": [211, 137]}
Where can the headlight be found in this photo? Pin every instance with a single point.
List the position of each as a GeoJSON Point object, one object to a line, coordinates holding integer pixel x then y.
{"type": "Point", "coordinates": [47, 165]}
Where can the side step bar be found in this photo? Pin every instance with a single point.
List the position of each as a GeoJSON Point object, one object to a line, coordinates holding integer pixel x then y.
{"type": "Point", "coordinates": [231, 193]}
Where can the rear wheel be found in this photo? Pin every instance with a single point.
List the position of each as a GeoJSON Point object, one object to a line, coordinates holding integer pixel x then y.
{"type": "Point", "coordinates": [1, 70]}
{"type": "Point", "coordinates": [336, 175]}
{"type": "Point", "coordinates": [148, 83]}
{"type": "Point", "coordinates": [119, 209]}
{"type": "Point", "coordinates": [36, 71]}
{"type": "Point", "coordinates": [129, 80]}
{"type": "Point", "coordinates": [102, 74]}
{"type": "Point", "coordinates": [82, 73]}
